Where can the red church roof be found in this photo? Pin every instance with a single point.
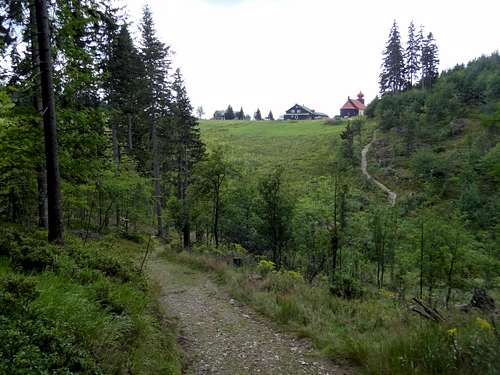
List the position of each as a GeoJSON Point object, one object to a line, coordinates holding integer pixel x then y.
{"type": "Point", "coordinates": [353, 104]}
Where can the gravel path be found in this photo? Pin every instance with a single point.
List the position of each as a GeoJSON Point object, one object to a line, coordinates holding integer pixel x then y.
{"type": "Point", "coordinates": [392, 196]}
{"type": "Point", "coordinates": [221, 336]}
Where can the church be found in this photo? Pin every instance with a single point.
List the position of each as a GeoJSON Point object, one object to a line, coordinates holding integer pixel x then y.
{"type": "Point", "coordinates": [354, 107]}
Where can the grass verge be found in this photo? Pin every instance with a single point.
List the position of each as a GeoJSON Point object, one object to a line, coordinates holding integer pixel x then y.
{"type": "Point", "coordinates": [376, 333]}
{"type": "Point", "coordinates": [84, 309]}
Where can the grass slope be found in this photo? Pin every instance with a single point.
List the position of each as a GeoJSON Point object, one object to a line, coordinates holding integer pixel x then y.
{"type": "Point", "coordinates": [303, 148]}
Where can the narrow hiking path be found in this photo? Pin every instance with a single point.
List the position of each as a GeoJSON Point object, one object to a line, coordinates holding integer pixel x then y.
{"type": "Point", "coordinates": [392, 196]}
{"type": "Point", "coordinates": [222, 336]}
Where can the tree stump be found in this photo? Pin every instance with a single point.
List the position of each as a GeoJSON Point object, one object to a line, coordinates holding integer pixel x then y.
{"type": "Point", "coordinates": [481, 300]}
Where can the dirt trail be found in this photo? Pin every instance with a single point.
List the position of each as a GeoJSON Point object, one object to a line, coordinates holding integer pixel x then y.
{"type": "Point", "coordinates": [392, 196]}
{"type": "Point", "coordinates": [221, 336]}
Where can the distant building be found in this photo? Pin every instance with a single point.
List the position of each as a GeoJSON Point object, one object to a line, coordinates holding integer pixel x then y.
{"type": "Point", "coordinates": [353, 107]}
{"type": "Point", "coordinates": [219, 115]}
{"type": "Point", "coordinates": [301, 112]}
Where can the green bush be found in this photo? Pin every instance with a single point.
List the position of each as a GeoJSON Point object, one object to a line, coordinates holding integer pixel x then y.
{"type": "Point", "coordinates": [90, 312]}
{"type": "Point", "coordinates": [264, 267]}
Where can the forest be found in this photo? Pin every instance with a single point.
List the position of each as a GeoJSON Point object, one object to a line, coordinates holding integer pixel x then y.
{"type": "Point", "coordinates": [101, 155]}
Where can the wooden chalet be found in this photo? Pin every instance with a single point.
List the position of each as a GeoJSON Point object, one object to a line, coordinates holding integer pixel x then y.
{"type": "Point", "coordinates": [353, 107]}
{"type": "Point", "coordinates": [219, 115]}
{"type": "Point", "coordinates": [301, 112]}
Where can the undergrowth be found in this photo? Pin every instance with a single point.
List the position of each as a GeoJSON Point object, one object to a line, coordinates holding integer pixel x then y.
{"type": "Point", "coordinates": [81, 308]}
{"type": "Point", "coordinates": [375, 332]}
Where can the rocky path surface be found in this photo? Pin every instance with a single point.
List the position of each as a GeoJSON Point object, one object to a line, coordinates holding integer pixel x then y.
{"type": "Point", "coordinates": [221, 336]}
{"type": "Point", "coordinates": [392, 196]}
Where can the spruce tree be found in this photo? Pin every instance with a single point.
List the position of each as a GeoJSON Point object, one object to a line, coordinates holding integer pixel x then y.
{"type": "Point", "coordinates": [430, 62]}
{"type": "Point", "coordinates": [241, 114]}
{"type": "Point", "coordinates": [229, 115]}
{"type": "Point", "coordinates": [258, 115]}
{"type": "Point", "coordinates": [156, 99]}
{"type": "Point", "coordinates": [392, 76]}
{"type": "Point", "coordinates": [187, 149]}
{"type": "Point", "coordinates": [270, 116]}
{"type": "Point", "coordinates": [412, 56]}
{"type": "Point", "coordinates": [124, 88]}
{"type": "Point", "coordinates": [55, 219]}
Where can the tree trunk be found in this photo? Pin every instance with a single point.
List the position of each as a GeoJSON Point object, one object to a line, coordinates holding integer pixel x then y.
{"type": "Point", "coordinates": [37, 105]}
{"type": "Point", "coordinates": [116, 147]}
{"type": "Point", "coordinates": [157, 179]}
{"type": "Point", "coordinates": [129, 132]}
{"type": "Point", "coordinates": [55, 221]}
{"type": "Point", "coordinates": [216, 218]}
{"type": "Point", "coordinates": [116, 159]}
{"type": "Point", "coordinates": [422, 260]}
{"type": "Point", "coordinates": [186, 235]}
{"type": "Point", "coordinates": [450, 274]}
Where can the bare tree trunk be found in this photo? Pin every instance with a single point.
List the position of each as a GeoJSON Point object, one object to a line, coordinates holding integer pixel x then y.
{"type": "Point", "coordinates": [37, 105]}
{"type": "Point", "coordinates": [116, 159]}
{"type": "Point", "coordinates": [334, 236]}
{"type": "Point", "coordinates": [116, 147]}
{"type": "Point", "coordinates": [157, 179]}
{"type": "Point", "coordinates": [129, 132]}
{"type": "Point", "coordinates": [450, 274]}
{"type": "Point", "coordinates": [186, 230]}
{"type": "Point", "coordinates": [216, 218]}
{"type": "Point", "coordinates": [186, 235]}
{"type": "Point", "coordinates": [422, 259]}
{"type": "Point", "coordinates": [55, 221]}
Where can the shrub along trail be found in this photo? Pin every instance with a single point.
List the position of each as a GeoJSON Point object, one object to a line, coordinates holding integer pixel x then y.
{"type": "Point", "coordinates": [221, 336]}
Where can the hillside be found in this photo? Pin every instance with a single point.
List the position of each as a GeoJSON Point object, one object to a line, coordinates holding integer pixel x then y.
{"type": "Point", "coordinates": [304, 148]}
{"type": "Point", "coordinates": [440, 146]}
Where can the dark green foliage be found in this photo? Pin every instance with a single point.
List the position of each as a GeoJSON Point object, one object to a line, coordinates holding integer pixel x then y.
{"type": "Point", "coordinates": [371, 108]}
{"type": "Point", "coordinates": [229, 115]}
{"type": "Point", "coordinates": [412, 55]}
{"type": "Point", "coordinates": [186, 149]}
{"type": "Point", "coordinates": [240, 115]}
{"type": "Point", "coordinates": [275, 212]}
{"type": "Point", "coordinates": [270, 116]}
{"type": "Point", "coordinates": [429, 62]}
{"type": "Point", "coordinates": [392, 77]}
{"type": "Point", "coordinates": [89, 313]}
{"type": "Point", "coordinates": [347, 287]}
{"type": "Point", "coordinates": [347, 137]}
{"type": "Point", "coordinates": [258, 115]}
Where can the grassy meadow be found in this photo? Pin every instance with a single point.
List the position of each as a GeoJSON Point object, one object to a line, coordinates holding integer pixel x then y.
{"type": "Point", "coordinates": [303, 148]}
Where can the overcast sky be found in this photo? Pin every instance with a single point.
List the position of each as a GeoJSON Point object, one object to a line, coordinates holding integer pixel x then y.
{"type": "Point", "coordinates": [271, 54]}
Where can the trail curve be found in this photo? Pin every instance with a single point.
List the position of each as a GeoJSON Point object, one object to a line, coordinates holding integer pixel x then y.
{"type": "Point", "coordinates": [392, 196]}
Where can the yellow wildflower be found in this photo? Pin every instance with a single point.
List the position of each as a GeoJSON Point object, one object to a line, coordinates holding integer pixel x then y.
{"type": "Point", "coordinates": [452, 332]}
{"type": "Point", "coordinates": [483, 324]}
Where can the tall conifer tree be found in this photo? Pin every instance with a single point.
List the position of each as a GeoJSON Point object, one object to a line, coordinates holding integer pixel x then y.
{"type": "Point", "coordinates": [229, 115]}
{"type": "Point", "coordinates": [430, 61]}
{"type": "Point", "coordinates": [156, 59]}
{"type": "Point", "coordinates": [55, 220]}
{"type": "Point", "coordinates": [412, 55]}
{"type": "Point", "coordinates": [188, 149]}
{"type": "Point", "coordinates": [393, 69]}
{"type": "Point", "coordinates": [258, 115]}
{"type": "Point", "coordinates": [124, 88]}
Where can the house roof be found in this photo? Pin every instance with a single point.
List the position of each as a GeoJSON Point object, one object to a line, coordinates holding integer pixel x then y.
{"type": "Point", "coordinates": [353, 104]}
{"type": "Point", "coordinates": [219, 113]}
{"type": "Point", "coordinates": [303, 107]}
{"type": "Point", "coordinates": [310, 111]}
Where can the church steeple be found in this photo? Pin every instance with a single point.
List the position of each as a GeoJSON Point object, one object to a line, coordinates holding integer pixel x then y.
{"type": "Point", "coordinates": [361, 97]}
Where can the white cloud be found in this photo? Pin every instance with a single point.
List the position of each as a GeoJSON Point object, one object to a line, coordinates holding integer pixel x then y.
{"type": "Point", "coordinates": [269, 54]}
